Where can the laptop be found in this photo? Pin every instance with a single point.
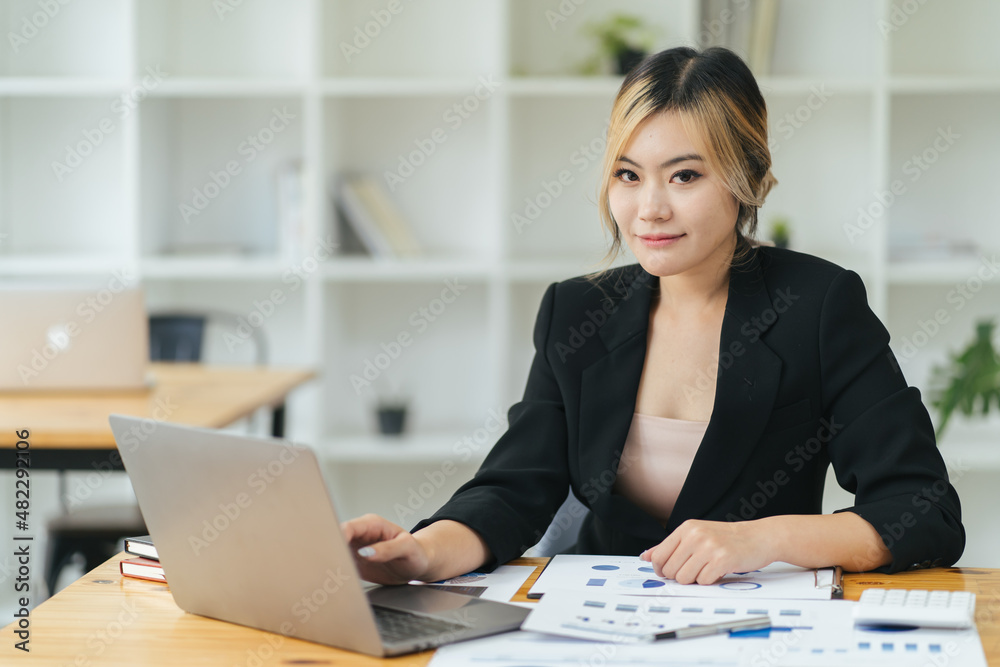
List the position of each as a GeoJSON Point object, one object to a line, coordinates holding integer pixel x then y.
{"type": "Point", "coordinates": [59, 340]}
{"type": "Point", "coordinates": [246, 533]}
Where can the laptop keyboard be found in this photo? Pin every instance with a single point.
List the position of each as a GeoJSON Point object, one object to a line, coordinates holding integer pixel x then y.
{"type": "Point", "coordinates": [399, 626]}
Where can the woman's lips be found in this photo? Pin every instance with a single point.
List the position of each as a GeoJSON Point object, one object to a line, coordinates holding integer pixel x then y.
{"type": "Point", "coordinates": [660, 240]}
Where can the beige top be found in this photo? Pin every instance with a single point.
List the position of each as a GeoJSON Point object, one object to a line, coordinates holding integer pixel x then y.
{"type": "Point", "coordinates": [655, 461]}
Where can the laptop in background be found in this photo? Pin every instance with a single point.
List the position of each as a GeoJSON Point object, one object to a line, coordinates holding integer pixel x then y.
{"type": "Point", "coordinates": [246, 533]}
{"type": "Point", "coordinates": [73, 340]}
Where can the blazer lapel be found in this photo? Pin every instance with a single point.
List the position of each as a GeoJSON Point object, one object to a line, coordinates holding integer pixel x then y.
{"type": "Point", "coordinates": [746, 386]}
{"type": "Point", "coordinates": [607, 402]}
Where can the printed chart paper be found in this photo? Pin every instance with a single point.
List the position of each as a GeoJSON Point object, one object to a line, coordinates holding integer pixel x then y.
{"type": "Point", "coordinates": [630, 619]}
{"type": "Point", "coordinates": [629, 575]}
{"type": "Point", "coordinates": [807, 633]}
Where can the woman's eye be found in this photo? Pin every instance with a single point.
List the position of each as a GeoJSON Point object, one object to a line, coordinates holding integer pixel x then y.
{"type": "Point", "coordinates": [626, 175]}
{"type": "Point", "coordinates": [686, 175]}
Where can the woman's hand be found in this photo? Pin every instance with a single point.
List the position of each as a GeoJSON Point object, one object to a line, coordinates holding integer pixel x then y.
{"type": "Point", "coordinates": [384, 552]}
{"type": "Point", "coordinates": [705, 551]}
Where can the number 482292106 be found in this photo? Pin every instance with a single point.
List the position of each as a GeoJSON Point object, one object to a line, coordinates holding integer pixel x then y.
{"type": "Point", "coordinates": [22, 493]}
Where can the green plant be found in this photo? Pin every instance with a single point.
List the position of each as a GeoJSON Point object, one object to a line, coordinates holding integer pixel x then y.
{"type": "Point", "coordinates": [971, 380]}
{"type": "Point", "coordinates": [781, 232]}
{"type": "Point", "coordinates": [621, 39]}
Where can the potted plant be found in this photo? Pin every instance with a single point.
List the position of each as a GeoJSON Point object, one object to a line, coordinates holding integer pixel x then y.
{"type": "Point", "coordinates": [623, 39]}
{"type": "Point", "coordinates": [781, 232]}
{"type": "Point", "coordinates": [391, 417]}
{"type": "Point", "coordinates": [389, 404]}
{"type": "Point", "coordinates": [970, 382]}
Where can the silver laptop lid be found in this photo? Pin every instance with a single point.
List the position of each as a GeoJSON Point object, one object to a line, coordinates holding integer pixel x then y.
{"type": "Point", "coordinates": [246, 532]}
{"type": "Point", "coordinates": [73, 339]}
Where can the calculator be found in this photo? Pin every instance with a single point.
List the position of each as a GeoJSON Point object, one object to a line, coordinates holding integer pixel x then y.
{"type": "Point", "coordinates": [921, 608]}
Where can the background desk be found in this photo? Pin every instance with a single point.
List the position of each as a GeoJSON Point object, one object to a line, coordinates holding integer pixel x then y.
{"type": "Point", "coordinates": [105, 619]}
{"type": "Point", "coordinates": [69, 431]}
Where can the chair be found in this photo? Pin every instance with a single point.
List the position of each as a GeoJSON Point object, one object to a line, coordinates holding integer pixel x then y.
{"type": "Point", "coordinates": [562, 532]}
{"type": "Point", "coordinates": [176, 337]}
{"type": "Point", "coordinates": [96, 532]}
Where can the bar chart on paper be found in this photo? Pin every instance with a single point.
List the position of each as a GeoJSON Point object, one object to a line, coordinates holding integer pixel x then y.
{"type": "Point", "coordinates": [630, 575]}
{"type": "Point", "coordinates": [803, 633]}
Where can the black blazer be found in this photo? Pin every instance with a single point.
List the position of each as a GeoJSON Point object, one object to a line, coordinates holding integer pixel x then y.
{"type": "Point", "coordinates": [806, 378]}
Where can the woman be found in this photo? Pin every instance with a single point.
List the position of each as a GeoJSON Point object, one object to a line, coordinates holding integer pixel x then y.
{"type": "Point", "coordinates": [694, 401]}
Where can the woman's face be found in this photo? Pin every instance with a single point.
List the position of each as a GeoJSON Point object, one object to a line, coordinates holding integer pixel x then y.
{"type": "Point", "coordinates": [675, 215]}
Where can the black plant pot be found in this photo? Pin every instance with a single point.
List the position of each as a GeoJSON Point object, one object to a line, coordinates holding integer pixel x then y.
{"type": "Point", "coordinates": [629, 58]}
{"type": "Point", "coordinates": [391, 420]}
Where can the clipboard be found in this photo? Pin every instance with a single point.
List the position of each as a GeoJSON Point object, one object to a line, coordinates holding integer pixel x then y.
{"type": "Point", "coordinates": [836, 586]}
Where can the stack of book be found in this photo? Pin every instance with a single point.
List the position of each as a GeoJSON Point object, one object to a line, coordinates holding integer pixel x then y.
{"type": "Point", "coordinates": [369, 212]}
{"type": "Point", "coordinates": [744, 27]}
{"type": "Point", "coordinates": [146, 565]}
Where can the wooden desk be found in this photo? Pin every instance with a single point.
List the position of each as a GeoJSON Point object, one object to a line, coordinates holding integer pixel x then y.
{"type": "Point", "coordinates": [69, 431]}
{"type": "Point", "coordinates": [105, 619]}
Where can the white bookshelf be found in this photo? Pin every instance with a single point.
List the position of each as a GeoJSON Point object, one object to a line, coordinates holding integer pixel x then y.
{"type": "Point", "coordinates": [224, 77]}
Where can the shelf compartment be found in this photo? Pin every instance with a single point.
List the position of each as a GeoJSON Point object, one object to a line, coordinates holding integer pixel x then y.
{"type": "Point", "coordinates": [208, 174]}
{"type": "Point", "coordinates": [193, 38]}
{"type": "Point", "coordinates": [59, 39]}
{"type": "Point", "coordinates": [385, 340]}
{"type": "Point", "coordinates": [557, 146]}
{"type": "Point", "coordinates": [61, 166]}
{"type": "Point", "coordinates": [944, 39]}
{"type": "Point", "coordinates": [434, 162]}
{"type": "Point", "coordinates": [802, 50]}
{"type": "Point", "coordinates": [821, 151]}
{"type": "Point", "coordinates": [943, 155]}
{"type": "Point", "coordinates": [368, 38]}
{"type": "Point", "coordinates": [550, 39]}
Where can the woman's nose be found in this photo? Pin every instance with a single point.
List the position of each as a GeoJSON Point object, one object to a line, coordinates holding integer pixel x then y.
{"type": "Point", "coordinates": [654, 204]}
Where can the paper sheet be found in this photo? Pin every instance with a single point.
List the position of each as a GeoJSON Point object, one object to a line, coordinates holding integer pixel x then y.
{"type": "Point", "coordinates": [809, 633]}
{"type": "Point", "coordinates": [500, 585]}
{"type": "Point", "coordinates": [628, 574]}
{"type": "Point", "coordinates": [629, 619]}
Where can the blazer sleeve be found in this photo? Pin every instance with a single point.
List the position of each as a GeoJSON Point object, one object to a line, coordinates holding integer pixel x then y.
{"type": "Point", "coordinates": [882, 444]}
{"type": "Point", "coordinates": [523, 480]}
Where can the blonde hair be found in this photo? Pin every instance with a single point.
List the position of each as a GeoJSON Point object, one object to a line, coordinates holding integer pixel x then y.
{"type": "Point", "coordinates": [719, 105]}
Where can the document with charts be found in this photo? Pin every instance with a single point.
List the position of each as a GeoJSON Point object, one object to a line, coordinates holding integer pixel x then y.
{"type": "Point", "coordinates": [629, 575]}
{"type": "Point", "coordinates": [803, 633]}
{"type": "Point", "coordinates": [618, 618]}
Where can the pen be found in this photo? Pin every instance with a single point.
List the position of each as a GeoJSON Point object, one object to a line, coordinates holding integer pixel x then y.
{"type": "Point", "coordinates": [752, 623]}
